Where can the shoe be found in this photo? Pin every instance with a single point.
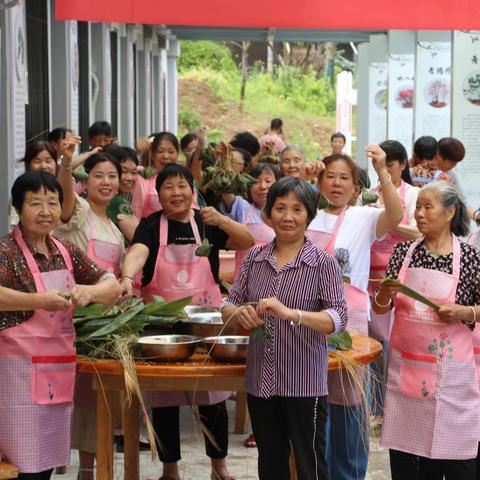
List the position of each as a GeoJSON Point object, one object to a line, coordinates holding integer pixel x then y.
{"type": "Point", "coordinates": [167, 477]}
{"type": "Point", "coordinates": [217, 476]}
{"type": "Point", "coordinates": [250, 442]}
{"type": "Point", "coordinates": [120, 444]}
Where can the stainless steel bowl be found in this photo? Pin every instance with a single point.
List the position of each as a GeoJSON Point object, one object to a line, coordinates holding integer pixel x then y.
{"type": "Point", "coordinates": [168, 348]}
{"type": "Point", "coordinates": [228, 348]}
{"type": "Point", "coordinates": [204, 322]}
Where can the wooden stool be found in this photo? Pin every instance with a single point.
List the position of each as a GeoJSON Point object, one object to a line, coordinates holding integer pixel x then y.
{"type": "Point", "coordinates": [8, 470]}
{"type": "Point", "coordinates": [241, 413]}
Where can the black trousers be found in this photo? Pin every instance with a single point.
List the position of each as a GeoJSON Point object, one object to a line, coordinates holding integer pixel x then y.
{"type": "Point", "coordinates": [166, 424]}
{"type": "Point", "coordinates": [405, 466]}
{"type": "Point", "coordinates": [36, 476]}
{"type": "Point", "coordinates": [281, 422]}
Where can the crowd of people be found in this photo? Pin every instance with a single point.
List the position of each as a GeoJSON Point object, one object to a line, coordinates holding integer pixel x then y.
{"type": "Point", "coordinates": [318, 250]}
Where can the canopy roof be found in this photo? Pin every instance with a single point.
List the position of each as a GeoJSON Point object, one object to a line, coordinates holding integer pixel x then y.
{"type": "Point", "coordinates": [280, 14]}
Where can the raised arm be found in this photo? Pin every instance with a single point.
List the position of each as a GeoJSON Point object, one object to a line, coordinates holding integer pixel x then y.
{"type": "Point", "coordinates": [65, 176]}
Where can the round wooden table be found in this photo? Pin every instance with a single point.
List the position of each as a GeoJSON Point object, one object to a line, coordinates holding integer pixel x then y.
{"type": "Point", "coordinates": [199, 374]}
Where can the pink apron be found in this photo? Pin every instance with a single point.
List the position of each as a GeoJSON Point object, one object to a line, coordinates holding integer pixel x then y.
{"type": "Point", "coordinates": [37, 377]}
{"type": "Point", "coordinates": [432, 403]}
{"type": "Point", "coordinates": [180, 273]}
{"type": "Point", "coordinates": [341, 388]}
{"type": "Point", "coordinates": [380, 325]}
{"type": "Point", "coordinates": [262, 234]}
{"type": "Point", "coordinates": [151, 201]}
{"type": "Point", "coordinates": [474, 239]}
{"type": "Point", "coordinates": [105, 254]}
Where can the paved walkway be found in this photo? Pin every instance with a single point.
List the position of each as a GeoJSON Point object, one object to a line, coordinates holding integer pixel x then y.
{"type": "Point", "coordinates": [196, 466]}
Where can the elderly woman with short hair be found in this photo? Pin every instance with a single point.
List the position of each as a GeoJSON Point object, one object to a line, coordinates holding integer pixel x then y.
{"type": "Point", "coordinates": [295, 291]}
{"type": "Point", "coordinates": [432, 404]}
{"type": "Point", "coordinates": [37, 352]}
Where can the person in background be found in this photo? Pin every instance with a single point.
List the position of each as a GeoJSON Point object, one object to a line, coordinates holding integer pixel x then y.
{"type": "Point", "coordinates": [296, 295]}
{"type": "Point", "coordinates": [188, 145]}
{"type": "Point", "coordinates": [100, 134]}
{"type": "Point", "coordinates": [337, 143]}
{"type": "Point", "coordinates": [293, 164]}
{"type": "Point", "coordinates": [56, 136]}
{"type": "Point", "coordinates": [37, 353]}
{"type": "Point", "coordinates": [424, 151]}
{"type": "Point", "coordinates": [274, 140]}
{"type": "Point", "coordinates": [248, 142]}
{"type": "Point", "coordinates": [40, 156]}
{"type": "Point", "coordinates": [363, 183]}
{"type": "Point", "coordinates": [347, 233]}
{"type": "Point", "coordinates": [432, 402]}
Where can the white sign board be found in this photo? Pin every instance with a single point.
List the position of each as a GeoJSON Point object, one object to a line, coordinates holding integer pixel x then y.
{"type": "Point", "coordinates": [19, 84]}
{"type": "Point", "coordinates": [377, 99]}
{"type": "Point", "coordinates": [344, 108]}
{"type": "Point", "coordinates": [432, 89]}
{"type": "Point", "coordinates": [466, 110]}
{"type": "Point", "coordinates": [74, 75]}
{"type": "Point", "coordinates": [400, 99]}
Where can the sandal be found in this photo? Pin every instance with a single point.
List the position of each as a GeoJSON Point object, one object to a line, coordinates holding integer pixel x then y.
{"type": "Point", "coordinates": [250, 442]}
{"type": "Point", "coordinates": [217, 476]}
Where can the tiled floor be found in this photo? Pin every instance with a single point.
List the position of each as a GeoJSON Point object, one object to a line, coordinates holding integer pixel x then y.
{"type": "Point", "coordinates": [196, 466]}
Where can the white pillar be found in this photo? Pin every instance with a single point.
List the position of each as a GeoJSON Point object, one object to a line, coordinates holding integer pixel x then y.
{"type": "Point", "coordinates": [127, 79]}
{"type": "Point", "coordinates": [362, 103]}
{"type": "Point", "coordinates": [173, 53]}
{"type": "Point", "coordinates": [102, 72]}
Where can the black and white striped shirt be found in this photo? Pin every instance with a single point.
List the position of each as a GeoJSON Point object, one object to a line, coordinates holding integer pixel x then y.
{"type": "Point", "coordinates": [293, 360]}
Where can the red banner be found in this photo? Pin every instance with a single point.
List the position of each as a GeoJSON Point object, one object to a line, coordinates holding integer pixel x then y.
{"type": "Point", "coordinates": [352, 14]}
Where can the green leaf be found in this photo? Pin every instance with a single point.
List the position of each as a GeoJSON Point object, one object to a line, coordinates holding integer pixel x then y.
{"type": "Point", "coordinates": [117, 322]}
{"type": "Point", "coordinates": [324, 202]}
{"type": "Point", "coordinates": [94, 309]}
{"type": "Point", "coordinates": [205, 249]}
{"type": "Point", "coordinates": [413, 294]}
{"type": "Point", "coordinates": [341, 341]}
{"type": "Point", "coordinates": [167, 308]}
{"type": "Point", "coordinates": [259, 334]}
{"type": "Point", "coordinates": [368, 197]}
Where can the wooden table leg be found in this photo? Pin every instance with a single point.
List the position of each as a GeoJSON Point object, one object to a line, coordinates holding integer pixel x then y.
{"type": "Point", "coordinates": [104, 435]}
{"type": "Point", "coordinates": [241, 413]}
{"type": "Point", "coordinates": [293, 466]}
{"type": "Point", "coordinates": [131, 432]}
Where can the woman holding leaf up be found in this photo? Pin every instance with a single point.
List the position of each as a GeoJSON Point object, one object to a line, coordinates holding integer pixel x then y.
{"type": "Point", "coordinates": [168, 246]}
{"type": "Point", "coordinates": [432, 404]}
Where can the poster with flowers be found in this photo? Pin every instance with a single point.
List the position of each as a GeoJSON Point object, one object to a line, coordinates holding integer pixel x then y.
{"type": "Point", "coordinates": [433, 67]}
{"type": "Point", "coordinates": [377, 77]}
{"type": "Point", "coordinates": [466, 109]}
{"type": "Point", "coordinates": [400, 99]}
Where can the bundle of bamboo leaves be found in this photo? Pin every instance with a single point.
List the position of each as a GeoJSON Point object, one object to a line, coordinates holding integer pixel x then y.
{"type": "Point", "coordinates": [98, 328]}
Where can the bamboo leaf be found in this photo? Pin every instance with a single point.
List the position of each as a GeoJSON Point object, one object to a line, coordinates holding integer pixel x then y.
{"type": "Point", "coordinates": [341, 341]}
{"type": "Point", "coordinates": [117, 322]}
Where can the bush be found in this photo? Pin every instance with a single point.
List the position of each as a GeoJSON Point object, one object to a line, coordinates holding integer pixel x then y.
{"type": "Point", "coordinates": [214, 56]}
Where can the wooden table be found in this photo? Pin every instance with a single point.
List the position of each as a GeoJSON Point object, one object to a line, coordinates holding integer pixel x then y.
{"type": "Point", "coordinates": [197, 374]}
{"type": "Point", "coordinates": [8, 471]}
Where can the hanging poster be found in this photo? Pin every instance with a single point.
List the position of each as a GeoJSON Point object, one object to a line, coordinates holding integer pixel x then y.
{"type": "Point", "coordinates": [107, 74]}
{"type": "Point", "coordinates": [19, 85]}
{"type": "Point", "coordinates": [400, 99]}
{"type": "Point", "coordinates": [377, 91]}
{"type": "Point", "coordinates": [466, 110]}
{"type": "Point", "coordinates": [432, 89]}
{"type": "Point", "coordinates": [130, 92]}
{"type": "Point", "coordinates": [74, 75]}
{"type": "Point", "coordinates": [344, 108]}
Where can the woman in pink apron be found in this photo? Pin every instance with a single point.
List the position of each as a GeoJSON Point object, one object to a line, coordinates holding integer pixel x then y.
{"type": "Point", "coordinates": [164, 151]}
{"type": "Point", "coordinates": [250, 213]}
{"type": "Point", "coordinates": [347, 233]}
{"type": "Point", "coordinates": [164, 246]}
{"type": "Point", "coordinates": [37, 353]}
{"type": "Point", "coordinates": [85, 223]}
{"type": "Point", "coordinates": [432, 405]}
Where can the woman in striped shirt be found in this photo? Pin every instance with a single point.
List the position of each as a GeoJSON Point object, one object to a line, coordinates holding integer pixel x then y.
{"type": "Point", "coordinates": [298, 296]}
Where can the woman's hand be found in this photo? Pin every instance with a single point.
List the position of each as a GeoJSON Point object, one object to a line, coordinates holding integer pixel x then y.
{"type": "Point", "coordinates": [53, 301]}
{"type": "Point", "coordinates": [313, 169]}
{"type": "Point", "coordinates": [126, 284]}
{"type": "Point", "coordinates": [69, 147]}
{"type": "Point", "coordinates": [454, 313]}
{"type": "Point", "coordinates": [247, 317]}
{"type": "Point", "coordinates": [378, 157]}
{"type": "Point", "coordinates": [82, 295]}
{"type": "Point", "coordinates": [211, 216]}
{"type": "Point", "coordinates": [272, 306]}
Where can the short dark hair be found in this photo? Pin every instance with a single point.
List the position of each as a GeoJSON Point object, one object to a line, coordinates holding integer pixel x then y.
{"type": "Point", "coordinates": [34, 148]}
{"type": "Point", "coordinates": [363, 180]}
{"type": "Point", "coordinates": [425, 148]}
{"type": "Point", "coordinates": [338, 135]}
{"type": "Point", "coordinates": [58, 134]}
{"type": "Point", "coordinates": [101, 157]}
{"type": "Point", "coordinates": [300, 188]}
{"type": "Point", "coordinates": [186, 139]}
{"type": "Point", "coordinates": [121, 153]}
{"type": "Point", "coordinates": [247, 141]}
{"type": "Point", "coordinates": [167, 136]}
{"type": "Point", "coordinates": [174, 170]}
{"type": "Point", "coordinates": [99, 128]}
{"type": "Point", "coordinates": [451, 149]}
{"type": "Point", "coordinates": [276, 124]}
{"type": "Point", "coordinates": [34, 182]}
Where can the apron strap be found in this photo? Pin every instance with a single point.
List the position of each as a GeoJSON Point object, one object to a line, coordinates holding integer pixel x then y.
{"type": "Point", "coordinates": [164, 229]}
